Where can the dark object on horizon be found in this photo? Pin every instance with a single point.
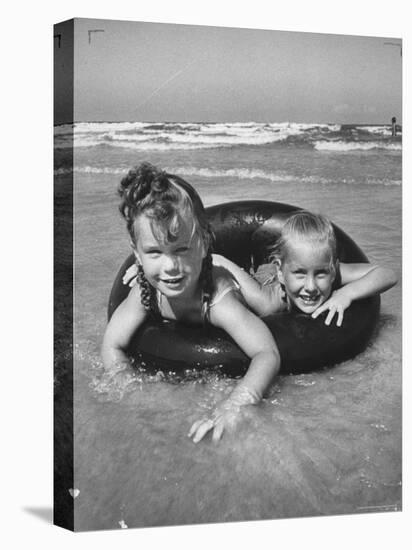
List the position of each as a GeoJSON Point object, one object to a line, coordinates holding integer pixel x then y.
{"type": "Point", "coordinates": [393, 126]}
{"type": "Point", "coordinates": [245, 232]}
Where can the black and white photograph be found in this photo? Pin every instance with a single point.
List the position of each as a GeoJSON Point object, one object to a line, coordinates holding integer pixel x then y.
{"type": "Point", "coordinates": [236, 261]}
{"type": "Point", "coordinates": [206, 314]}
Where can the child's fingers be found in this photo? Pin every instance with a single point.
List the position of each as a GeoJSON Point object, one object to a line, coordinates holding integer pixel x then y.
{"type": "Point", "coordinates": [218, 432]}
{"type": "Point", "coordinates": [195, 426]}
{"type": "Point", "coordinates": [330, 315]}
{"type": "Point", "coordinates": [320, 310]}
{"type": "Point", "coordinates": [340, 316]}
{"type": "Point", "coordinates": [202, 430]}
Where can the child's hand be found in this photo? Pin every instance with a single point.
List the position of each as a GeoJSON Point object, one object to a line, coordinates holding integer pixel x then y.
{"type": "Point", "coordinates": [337, 303]}
{"type": "Point", "coordinates": [224, 418]}
{"type": "Point", "coordinates": [130, 276]}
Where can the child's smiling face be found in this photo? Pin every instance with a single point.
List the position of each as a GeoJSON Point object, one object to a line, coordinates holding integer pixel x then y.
{"type": "Point", "coordinates": [307, 272]}
{"type": "Point", "coordinates": [172, 267]}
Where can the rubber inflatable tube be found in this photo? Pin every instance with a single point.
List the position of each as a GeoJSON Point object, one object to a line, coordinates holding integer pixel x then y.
{"type": "Point", "coordinates": [243, 231]}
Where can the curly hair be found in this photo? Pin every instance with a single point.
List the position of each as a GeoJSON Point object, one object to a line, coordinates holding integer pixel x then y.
{"type": "Point", "coordinates": [168, 201]}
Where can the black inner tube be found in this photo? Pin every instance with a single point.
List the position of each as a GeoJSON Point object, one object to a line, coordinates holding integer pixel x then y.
{"type": "Point", "coordinates": [245, 231]}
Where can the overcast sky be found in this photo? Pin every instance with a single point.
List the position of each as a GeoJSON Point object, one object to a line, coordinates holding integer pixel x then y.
{"type": "Point", "coordinates": [162, 72]}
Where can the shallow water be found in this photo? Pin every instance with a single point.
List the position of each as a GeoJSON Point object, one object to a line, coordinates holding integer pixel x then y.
{"type": "Point", "coordinates": [322, 443]}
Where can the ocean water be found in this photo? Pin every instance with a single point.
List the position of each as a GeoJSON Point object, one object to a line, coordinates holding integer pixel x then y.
{"type": "Point", "coordinates": [323, 443]}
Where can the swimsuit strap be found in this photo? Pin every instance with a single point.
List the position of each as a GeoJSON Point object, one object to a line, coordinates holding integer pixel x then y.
{"type": "Point", "coordinates": [222, 294]}
{"type": "Point", "coordinates": [156, 310]}
{"type": "Point", "coordinates": [156, 304]}
{"type": "Point", "coordinates": [207, 304]}
{"type": "Point", "coordinates": [205, 307]}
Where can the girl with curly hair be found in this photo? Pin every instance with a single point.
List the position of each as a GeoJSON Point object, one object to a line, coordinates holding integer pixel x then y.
{"type": "Point", "coordinates": [176, 279]}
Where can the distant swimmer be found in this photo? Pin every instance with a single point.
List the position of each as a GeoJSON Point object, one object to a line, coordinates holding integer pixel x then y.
{"type": "Point", "coordinates": [393, 126]}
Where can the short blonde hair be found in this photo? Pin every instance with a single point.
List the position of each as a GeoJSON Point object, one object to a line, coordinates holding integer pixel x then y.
{"type": "Point", "coordinates": [306, 226]}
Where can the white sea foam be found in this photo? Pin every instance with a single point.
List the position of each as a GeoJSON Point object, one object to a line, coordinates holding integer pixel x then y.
{"type": "Point", "coordinates": [342, 146]}
{"type": "Point", "coordinates": [379, 130]}
{"type": "Point", "coordinates": [66, 143]}
{"type": "Point", "coordinates": [113, 136]}
{"type": "Point", "coordinates": [237, 173]}
{"type": "Point", "coordinates": [275, 177]}
{"type": "Point", "coordinates": [172, 136]}
{"type": "Point", "coordinates": [219, 140]}
{"type": "Point", "coordinates": [304, 126]}
{"type": "Point", "coordinates": [155, 146]}
{"type": "Point", "coordinates": [165, 136]}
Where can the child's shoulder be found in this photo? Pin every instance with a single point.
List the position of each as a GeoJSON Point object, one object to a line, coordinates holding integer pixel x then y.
{"type": "Point", "coordinates": [129, 315]}
{"type": "Point", "coordinates": [222, 278]}
{"type": "Point", "coordinates": [223, 281]}
{"type": "Point", "coordinates": [134, 298]}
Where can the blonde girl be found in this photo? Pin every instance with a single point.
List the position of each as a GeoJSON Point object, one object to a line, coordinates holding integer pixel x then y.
{"type": "Point", "coordinates": [306, 274]}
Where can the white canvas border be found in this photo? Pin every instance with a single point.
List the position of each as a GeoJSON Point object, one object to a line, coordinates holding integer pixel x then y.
{"type": "Point", "coordinates": [27, 368]}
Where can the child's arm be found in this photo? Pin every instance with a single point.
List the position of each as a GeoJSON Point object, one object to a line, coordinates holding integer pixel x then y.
{"type": "Point", "coordinates": [358, 281]}
{"type": "Point", "coordinates": [255, 339]}
{"type": "Point", "coordinates": [124, 322]}
{"type": "Point", "coordinates": [259, 298]}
